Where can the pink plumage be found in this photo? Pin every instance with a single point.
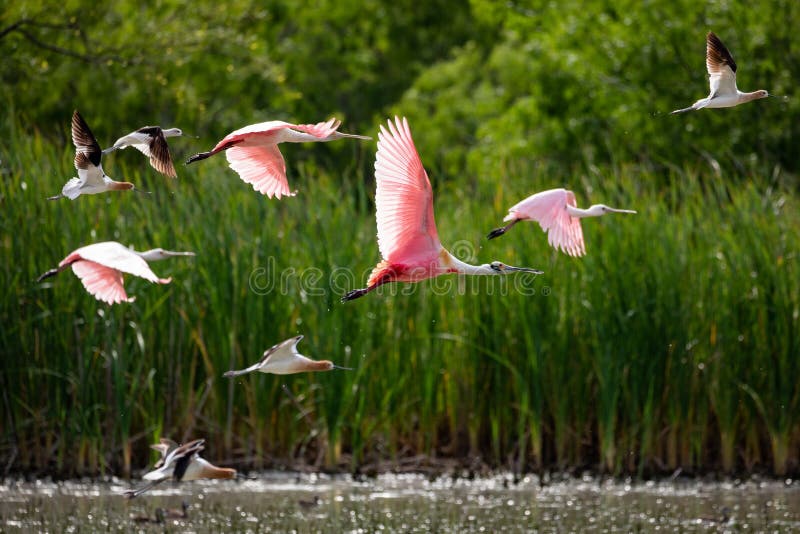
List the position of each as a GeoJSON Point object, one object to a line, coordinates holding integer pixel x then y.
{"type": "Point", "coordinates": [407, 236]}
{"type": "Point", "coordinates": [100, 267]}
{"type": "Point", "coordinates": [549, 209]}
{"type": "Point", "coordinates": [253, 152]}
{"type": "Point", "coordinates": [557, 213]}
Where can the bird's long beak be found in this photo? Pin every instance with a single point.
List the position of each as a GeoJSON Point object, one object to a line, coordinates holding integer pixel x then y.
{"type": "Point", "coordinates": [342, 368]}
{"type": "Point", "coordinates": [615, 210]}
{"type": "Point", "coordinates": [171, 253]}
{"type": "Point", "coordinates": [512, 269]}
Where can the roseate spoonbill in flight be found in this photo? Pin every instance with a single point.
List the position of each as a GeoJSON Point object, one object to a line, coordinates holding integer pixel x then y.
{"type": "Point", "coordinates": [91, 178]}
{"type": "Point", "coordinates": [152, 142]}
{"type": "Point", "coordinates": [100, 267]}
{"type": "Point", "coordinates": [407, 236]}
{"type": "Point", "coordinates": [283, 359]}
{"type": "Point", "coordinates": [181, 463]}
{"type": "Point", "coordinates": [722, 78]}
{"type": "Point", "coordinates": [557, 214]}
{"type": "Point", "coordinates": [253, 152]}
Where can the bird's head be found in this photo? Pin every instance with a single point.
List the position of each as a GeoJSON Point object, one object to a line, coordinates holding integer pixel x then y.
{"type": "Point", "coordinates": [761, 93]}
{"type": "Point", "coordinates": [499, 267]}
{"type": "Point", "coordinates": [173, 132]}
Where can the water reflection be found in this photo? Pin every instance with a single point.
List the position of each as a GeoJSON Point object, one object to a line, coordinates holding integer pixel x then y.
{"type": "Point", "coordinates": [407, 503]}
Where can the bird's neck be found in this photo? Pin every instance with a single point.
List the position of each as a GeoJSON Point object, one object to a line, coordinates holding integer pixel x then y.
{"type": "Point", "coordinates": [454, 265]}
{"type": "Point", "coordinates": [592, 211]}
{"type": "Point", "coordinates": [747, 97]}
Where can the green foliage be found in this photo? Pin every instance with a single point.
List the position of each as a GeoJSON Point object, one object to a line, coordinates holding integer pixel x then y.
{"type": "Point", "coordinates": [673, 343]}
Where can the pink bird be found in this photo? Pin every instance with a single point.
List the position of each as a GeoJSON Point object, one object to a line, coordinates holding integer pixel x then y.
{"type": "Point", "coordinates": [407, 236]}
{"type": "Point", "coordinates": [557, 214]}
{"type": "Point", "coordinates": [100, 267]}
{"type": "Point", "coordinates": [253, 152]}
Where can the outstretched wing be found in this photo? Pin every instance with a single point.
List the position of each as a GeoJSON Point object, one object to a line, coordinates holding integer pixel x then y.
{"type": "Point", "coordinates": [549, 209]}
{"type": "Point", "coordinates": [104, 283]}
{"type": "Point", "coordinates": [261, 166]}
{"type": "Point", "coordinates": [721, 67]}
{"type": "Point", "coordinates": [116, 256]}
{"type": "Point", "coordinates": [404, 199]}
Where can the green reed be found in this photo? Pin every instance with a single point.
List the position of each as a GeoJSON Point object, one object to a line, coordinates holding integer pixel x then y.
{"type": "Point", "coordinates": [673, 343]}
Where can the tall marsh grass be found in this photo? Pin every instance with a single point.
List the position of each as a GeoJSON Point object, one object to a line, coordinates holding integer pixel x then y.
{"type": "Point", "coordinates": [673, 344]}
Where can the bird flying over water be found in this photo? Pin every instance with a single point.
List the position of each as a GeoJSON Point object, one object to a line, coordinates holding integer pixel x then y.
{"type": "Point", "coordinates": [283, 359]}
{"type": "Point", "coordinates": [100, 267]}
{"type": "Point", "coordinates": [91, 178]}
{"type": "Point", "coordinates": [152, 142]}
{"type": "Point", "coordinates": [407, 236]}
{"type": "Point", "coordinates": [722, 79]}
{"type": "Point", "coordinates": [253, 152]}
{"type": "Point", "coordinates": [557, 213]}
{"type": "Point", "coordinates": [181, 463]}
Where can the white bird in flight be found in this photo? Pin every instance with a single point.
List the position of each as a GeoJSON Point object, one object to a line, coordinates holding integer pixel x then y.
{"type": "Point", "coordinates": [253, 152]}
{"type": "Point", "coordinates": [100, 267]}
{"type": "Point", "coordinates": [152, 142]}
{"type": "Point", "coordinates": [557, 213]}
{"type": "Point", "coordinates": [722, 78]}
{"type": "Point", "coordinates": [91, 178]}
{"type": "Point", "coordinates": [283, 359]}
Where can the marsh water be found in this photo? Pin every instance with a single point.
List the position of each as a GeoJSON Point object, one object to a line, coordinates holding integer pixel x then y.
{"type": "Point", "coordinates": [281, 502]}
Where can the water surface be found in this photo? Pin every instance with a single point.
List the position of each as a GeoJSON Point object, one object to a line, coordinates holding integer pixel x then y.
{"type": "Point", "coordinates": [408, 503]}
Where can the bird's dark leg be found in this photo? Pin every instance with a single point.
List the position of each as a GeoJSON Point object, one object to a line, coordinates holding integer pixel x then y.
{"type": "Point", "coordinates": [497, 232]}
{"type": "Point", "coordinates": [356, 293]}
{"type": "Point", "coordinates": [130, 494]}
{"type": "Point", "coordinates": [51, 272]}
{"type": "Point", "coordinates": [204, 155]}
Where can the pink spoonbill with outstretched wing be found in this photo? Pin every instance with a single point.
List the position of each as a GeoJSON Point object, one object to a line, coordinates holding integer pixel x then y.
{"type": "Point", "coordinates": [253, 152]}
{"type": "Point", "coordinates": [557, 213]}
{"type": "Point", "coordinates": [407, 236]}
{"type": "Point", "coordinates": [100, 267]}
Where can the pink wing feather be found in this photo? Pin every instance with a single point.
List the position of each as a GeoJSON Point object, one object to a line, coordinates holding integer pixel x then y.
{"type": "Point", "coordinates": [100, 267]}
{"type": "Point", "coordinates": [404, 199]}
{"type": "Point", "coordinates": [549, 209]}
{"type": "Point", "coordinates": [104, 283]}
{"type": "Point", "coordinates": [255, 156]}
{"type": "Point", "coordinates": [261, 166]}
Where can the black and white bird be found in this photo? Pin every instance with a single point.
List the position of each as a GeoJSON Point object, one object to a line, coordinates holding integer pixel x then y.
{"type": "Point", "coordinates": [722, 79]}
{"type": "Point", "coordinates": [152, 142]}
{"type": "Point", "coordinates": [91, 178]}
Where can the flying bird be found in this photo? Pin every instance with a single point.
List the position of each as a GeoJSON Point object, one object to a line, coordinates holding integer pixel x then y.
{"type": "Point", "coordinates": [100, 267]}
{"type": "Point", "coordinates": [283, 359]}
{"type": "Point", "coordinates": [181, 463]}
{"type": "Point", "coordinates": [152, 142]}
{"type": "Point", "coordinates": [91, 178]}
{"type": "Point", "coordinates": [253, 152]}
{"type": "Point", "coordinates": [722, 78]}
{"type": "Point", "coordinates": [407, 236]}
{"type": "Point", "coordinates": [556, 212]}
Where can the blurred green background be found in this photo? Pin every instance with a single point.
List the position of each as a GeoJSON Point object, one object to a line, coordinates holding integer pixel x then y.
{"type": "Point", "coordinates": [673, 344]}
